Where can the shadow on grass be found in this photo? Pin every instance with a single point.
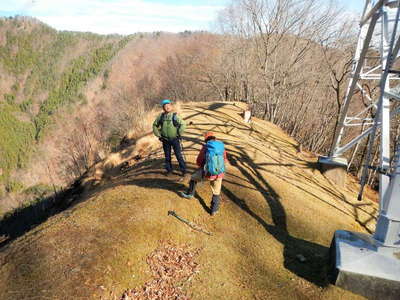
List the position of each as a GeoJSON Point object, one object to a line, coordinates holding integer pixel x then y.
{"type": "Point", "coordinates": [24, 219]}
{"type": "Point", "coordinates": [314, 268]}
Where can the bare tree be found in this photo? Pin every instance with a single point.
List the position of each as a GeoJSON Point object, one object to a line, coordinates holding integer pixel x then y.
{"type": "Point", "coordinates": [290, 58]}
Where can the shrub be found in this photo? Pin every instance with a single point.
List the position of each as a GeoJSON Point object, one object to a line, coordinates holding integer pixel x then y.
{"type": "Point", "coordinates": [24, 106]}
{"type": "Point", "coordinates": [106, 74]}
{"type": "Point", "coordinates": [114, 139]}
{"type": "Point", "coordinates": [9, 98]}
{"type": "Point", "coordinates": [14, 186]}
{"type": "Point", "coordinates": [39, 190]}
{"type": "Point", "coordinates": [15, 87]}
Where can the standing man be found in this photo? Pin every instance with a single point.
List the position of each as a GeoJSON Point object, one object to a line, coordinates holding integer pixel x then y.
{"type": "Point", "coordinates": [169, 127]}
{"type": "Point", "coordinates": [211, 162]}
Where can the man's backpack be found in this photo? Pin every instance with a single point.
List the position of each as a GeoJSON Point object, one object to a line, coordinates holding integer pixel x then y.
{"type": "Point", "coordinates": [174, 120]}
{"type": "Point", "coordinates": [215, 163]}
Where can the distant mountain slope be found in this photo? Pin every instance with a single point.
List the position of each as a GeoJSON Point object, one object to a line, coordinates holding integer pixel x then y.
{"type": "Point", "coordinates": [269, 241]}
{"type": "Point", "coordinates": [42, 70]}
{"type": "Point", "coordinates": [67, 99]}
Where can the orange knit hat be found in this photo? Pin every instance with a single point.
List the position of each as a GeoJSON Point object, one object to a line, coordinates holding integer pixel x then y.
{"type": "Point", "coordinates": [208, 134]}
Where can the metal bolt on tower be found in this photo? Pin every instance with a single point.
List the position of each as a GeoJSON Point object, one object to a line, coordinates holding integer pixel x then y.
{"type": "Point", "coordinates": [365, 264]}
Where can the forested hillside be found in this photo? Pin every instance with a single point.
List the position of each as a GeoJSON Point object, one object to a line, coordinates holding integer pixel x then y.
{"type": "Point", "coordinates": [42, 72]}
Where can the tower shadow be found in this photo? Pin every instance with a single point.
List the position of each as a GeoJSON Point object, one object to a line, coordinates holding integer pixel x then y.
{"type": "Point", "coordinates": [313, 267]}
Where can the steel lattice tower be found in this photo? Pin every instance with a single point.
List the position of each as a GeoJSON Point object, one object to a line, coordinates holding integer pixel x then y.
{"type": "Point", "coordinates": [370, 264]}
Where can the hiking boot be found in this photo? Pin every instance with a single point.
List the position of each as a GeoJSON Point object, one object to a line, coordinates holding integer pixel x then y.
{"type": "Point", "coordinates": [168, 173]}
{"type": "Point", "coordinates": [186, 195]}
{"type": "Point", "coordinates": [191, 190]}
{"type": "Point", "coordinates": [215, 204]}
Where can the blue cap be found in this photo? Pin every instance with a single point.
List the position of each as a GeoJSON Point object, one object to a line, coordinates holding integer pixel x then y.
{"type": "Point", "coordinates": [165, 101]}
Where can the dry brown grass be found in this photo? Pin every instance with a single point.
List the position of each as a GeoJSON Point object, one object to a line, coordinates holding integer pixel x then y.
{"type": "Point", "coordinates": [275, 206]}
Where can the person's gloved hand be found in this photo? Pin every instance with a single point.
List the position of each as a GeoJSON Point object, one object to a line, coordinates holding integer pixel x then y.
{"type": "Point", "coordinates": [162, 140]}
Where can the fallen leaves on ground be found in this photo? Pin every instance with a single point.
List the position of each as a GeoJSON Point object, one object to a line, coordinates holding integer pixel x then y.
{"type": "Point", "coordinates": [170, 265]}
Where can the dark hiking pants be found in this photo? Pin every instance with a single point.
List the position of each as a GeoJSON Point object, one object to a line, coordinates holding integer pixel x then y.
{"type": "Point", "coordinates": [175, 144]}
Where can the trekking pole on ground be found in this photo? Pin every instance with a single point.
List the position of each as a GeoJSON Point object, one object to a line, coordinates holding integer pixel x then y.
{"type": "Point", "coordinates": [190, 224]}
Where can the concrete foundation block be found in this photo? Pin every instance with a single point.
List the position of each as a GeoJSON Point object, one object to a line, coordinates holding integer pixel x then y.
{"type": "Point", "coordinates": [335, 169]}
{"type": "Point", "coordinates": [360, 264]}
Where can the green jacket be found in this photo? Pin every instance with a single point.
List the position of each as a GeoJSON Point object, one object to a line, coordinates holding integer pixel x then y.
{"type": "Point", "coordinates": [167, 129]}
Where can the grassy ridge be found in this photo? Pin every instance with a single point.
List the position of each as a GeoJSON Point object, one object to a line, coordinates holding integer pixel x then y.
{"type": "Point", "coordinates": [271, 196]}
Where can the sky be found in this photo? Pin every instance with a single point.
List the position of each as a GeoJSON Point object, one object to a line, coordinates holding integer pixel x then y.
{"type": "Point", "coordinates": [355, 6]}
{"type": "Point", "coordinates": [128, 16]}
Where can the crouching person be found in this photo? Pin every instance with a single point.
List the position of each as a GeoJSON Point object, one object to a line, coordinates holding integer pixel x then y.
{"type": "Point", "coordinates": [211, 162]}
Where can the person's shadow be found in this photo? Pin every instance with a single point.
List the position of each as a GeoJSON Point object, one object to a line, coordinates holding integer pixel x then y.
{"type": "Point", "coordinates": [203, 203]}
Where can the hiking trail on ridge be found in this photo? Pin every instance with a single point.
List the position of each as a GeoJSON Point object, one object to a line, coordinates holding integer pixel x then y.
{"type": "Point", "coordinates": [276, 207]}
